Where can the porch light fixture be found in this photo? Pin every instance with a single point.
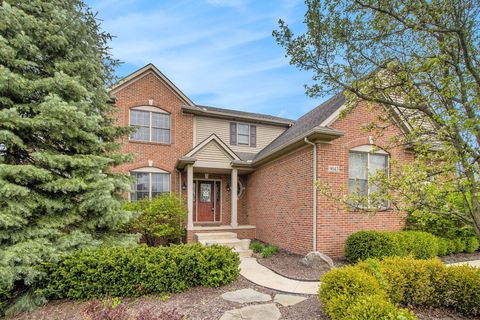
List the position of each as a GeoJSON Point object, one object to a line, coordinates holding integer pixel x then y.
{"type": "Point", "coordinates": [184, 186]}
{"type": "Point", "coordinates": [228, 186]}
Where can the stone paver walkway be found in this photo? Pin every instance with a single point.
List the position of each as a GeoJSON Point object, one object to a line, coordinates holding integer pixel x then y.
{"type": "Point", "coordinates": [474, 263]}
{"type": "Point", "coordinates": [258, 274]}
{"type": "Point", "coordinates": [255, 312]}
{"type": "Point", "coordinates": [246, 296]}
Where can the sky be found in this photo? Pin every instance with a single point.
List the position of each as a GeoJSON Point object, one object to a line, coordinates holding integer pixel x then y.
{"type": "Point", "coordinates": [218, 52]}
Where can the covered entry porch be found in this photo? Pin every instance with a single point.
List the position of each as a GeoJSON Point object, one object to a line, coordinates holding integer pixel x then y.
{"type": "Point", "coordinates": [213, 182]}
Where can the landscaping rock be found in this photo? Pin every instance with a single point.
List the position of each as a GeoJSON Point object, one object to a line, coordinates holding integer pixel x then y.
{"type": "Point", "coordinates": [316, 259]}
{"type": "Point", "coordinates": [246, 296]}
{"type": "Point", "coordinates": [288, 299]}
{"type": "Point", "coordinates": [256, 312]}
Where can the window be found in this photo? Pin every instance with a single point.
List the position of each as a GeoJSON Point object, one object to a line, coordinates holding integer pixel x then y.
{"type": "Point", "coordinates": [152, 126]}
{"type": "Point", "coordinates": [243, 134]}
{"type": "Point", "coordinates": [363, 163]}
{"type": "Point", "coordinates": [149, 184]}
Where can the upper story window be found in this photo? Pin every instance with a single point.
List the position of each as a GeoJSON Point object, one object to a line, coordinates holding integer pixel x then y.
{"type": "Point", "coordinates": [149, 182]}
{"type": "Point", "coordinates": [243, 134]}
{"type": "Point", "coordinates": [364, 162]}
{"type": "Point", "coordinates": [153, 125]}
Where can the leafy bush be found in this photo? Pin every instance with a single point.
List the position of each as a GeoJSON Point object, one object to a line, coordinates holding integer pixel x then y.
{"type": "Point", "coordinates": [160, 219]}
{"type": "Point", "coordinates": [462, 289]}
{"type": "Point", "coordinates": [135, 271]}
{"type": "Point", "coordinates": [269, 251]}
{"type": "Point", "coordinates": [265, 249]}
{"type": "Point", "coordinates": [372, 288]}
{"type": "Point", "coordinates": [472, 244]}
{"type": "Point", "coordinates": [376, 307]}
{"type": "Point", "coordinates": [256, 246]}
{"type": "Point", "coordinates": [460, 245]}
{"type": "Point", "coordinates": [341, 287]}
{"type": "Point", "coordinates": [421, 245]}
{"type": "Point", "coordinates": [370, 244]}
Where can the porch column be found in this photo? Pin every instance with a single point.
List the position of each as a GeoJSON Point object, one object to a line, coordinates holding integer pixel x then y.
{"type": "Point", "coordinates": [190, 196]}
{"type": "Point", "coordinates": [234, 190]}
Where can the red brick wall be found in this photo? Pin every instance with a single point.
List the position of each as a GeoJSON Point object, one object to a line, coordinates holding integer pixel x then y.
{"type": "Point", "coordinates": [138, 93]}
{"type": "Point", "coordinates": [279, 201]}
{"type": "Point", "coordinates": [335, 223]}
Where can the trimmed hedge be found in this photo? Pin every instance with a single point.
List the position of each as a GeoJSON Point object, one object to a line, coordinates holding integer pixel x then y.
{"type": "Point", "coordinates": [421, 245]}
{"type": "Point", "coordinates": [135, 271]}
{"type": "Point", "coordinates": [373, 289]}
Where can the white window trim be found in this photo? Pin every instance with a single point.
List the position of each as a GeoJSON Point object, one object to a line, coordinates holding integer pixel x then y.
{"type": "Point", "coordinates": [151, 170]}
{"type": "Point", "coordinates": [249, 131]}
{"type": "Point", "coordinates": [151, 110]}
{"type": "Point", "coordinates": [372, 150]}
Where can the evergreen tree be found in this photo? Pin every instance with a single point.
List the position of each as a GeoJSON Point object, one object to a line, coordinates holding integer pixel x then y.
{"type": "Point", "coordinates": [57, 141]}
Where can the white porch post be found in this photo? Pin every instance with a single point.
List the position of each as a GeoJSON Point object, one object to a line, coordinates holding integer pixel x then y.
{"type": "Point", "coordinates": [234, 190]}
{"type": "Point", "coordinates": [190, 196]}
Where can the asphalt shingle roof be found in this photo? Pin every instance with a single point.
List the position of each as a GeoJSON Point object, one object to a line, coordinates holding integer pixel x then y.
{"type": "Point", "coordinates": [244, 113]}
{"type": "Point", "coordinates": [304, 124]}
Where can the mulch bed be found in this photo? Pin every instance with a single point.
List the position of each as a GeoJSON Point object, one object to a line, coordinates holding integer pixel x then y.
{"type": "Point", "coordinates": [438, 314]}
{"type": "Point", "coordinates": [461, 257]}
{"type": "Point", "coordinates": [197, 304]}
{"type": "Point", "coordinates": [289, 265]}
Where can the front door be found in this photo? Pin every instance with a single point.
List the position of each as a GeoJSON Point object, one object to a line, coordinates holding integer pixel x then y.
{"type": "Point", "coordinates": [206, 201]}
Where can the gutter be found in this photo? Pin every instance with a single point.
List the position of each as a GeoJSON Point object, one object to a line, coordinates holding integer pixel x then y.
{"type": "Point", "coordinates": [314, 233]}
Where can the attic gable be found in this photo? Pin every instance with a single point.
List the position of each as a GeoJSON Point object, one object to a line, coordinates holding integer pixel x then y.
{"type": "Point", "coordinates": [146, 70]}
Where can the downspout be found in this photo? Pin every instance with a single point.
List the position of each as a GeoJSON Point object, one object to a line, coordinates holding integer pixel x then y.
{"type": "Point", "coordinates": [314, 192]}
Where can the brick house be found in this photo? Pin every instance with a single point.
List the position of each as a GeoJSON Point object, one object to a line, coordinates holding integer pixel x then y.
{"type": "Point", "coordinates": [253, 174]}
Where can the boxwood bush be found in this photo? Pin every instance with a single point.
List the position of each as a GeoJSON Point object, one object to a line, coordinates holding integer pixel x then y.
{"type": "Point", "coordinates": [421, 245]}
{"type": "Point", "coordinates": [135, 271]}
{"type": "Point", "coordinates": [374, 289]}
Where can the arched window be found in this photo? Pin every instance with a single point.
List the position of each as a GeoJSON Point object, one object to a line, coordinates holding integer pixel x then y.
{"type": "Point", "coordinates": [149, 182]}
{"type": "Point", "coordinates": [153, 124]}
{"type": "Point", "coordinates": [365, 161]}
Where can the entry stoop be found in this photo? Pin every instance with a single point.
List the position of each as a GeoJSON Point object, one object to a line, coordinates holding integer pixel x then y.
{"type": "Point", "coordinates": [228, 239]}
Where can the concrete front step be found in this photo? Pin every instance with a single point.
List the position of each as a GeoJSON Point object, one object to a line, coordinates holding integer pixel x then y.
{"type": "Point", "coordinates": [215, 236]}
{"type": "Point", "coordinates": [232, 243]}
{"type": "Point", "coordinates": [227, 239]}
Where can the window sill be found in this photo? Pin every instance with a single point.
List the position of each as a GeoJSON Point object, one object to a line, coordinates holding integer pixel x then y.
{"type": "Point", "coordinates": [150, 142]}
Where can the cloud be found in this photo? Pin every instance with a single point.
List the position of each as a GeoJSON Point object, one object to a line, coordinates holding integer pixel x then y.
{"type": "Point", "coordinates": [218, 52]}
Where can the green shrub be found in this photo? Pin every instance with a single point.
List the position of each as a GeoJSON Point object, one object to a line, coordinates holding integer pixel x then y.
{"type": "Point", "coordinates": [462, 289]}
{"type": "Point", "coordinates": [370, 244]}
{"type": "Point", "coordinates": [420, 245]}
{"type": "Point", "coordinates": [265, 249]}
{"type": "Point", "coordinates": [376, 307]}
{"type": "Point", "coordinates": [256, 246]}
{"type": "Point", "coordinates": [269, 251]}
{"type": "Point", "coordinates": [341, 287]}
{"type": "Point", "coordinates": [451, 248]}
{"type": "Point", "coordinates": [472, 244]}
{"type": "Point", "coordinates": [442, 246]}
{"type": "Point", "coordinates": [160, 219]}
{"type": "Point", "coordinates": [369, 289]}
{"type": "Point", "coordinates": [460, 245]}
{"type": "Point", "coordinates": [135, 271]}
{"type": "Point", "coordinates": [409, 281]}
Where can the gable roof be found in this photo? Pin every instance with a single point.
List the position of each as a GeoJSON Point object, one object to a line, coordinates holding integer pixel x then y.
{"type": "Point", "coordinates": [144, 71]}
{"type": "Point", "coordinates": [307, 124]}
{"type": "Point", "coordinates": [212, 137]}
{"type": "Point", "coordinates": [222, 113]}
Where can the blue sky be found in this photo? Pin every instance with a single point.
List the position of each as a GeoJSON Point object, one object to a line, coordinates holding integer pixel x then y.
{"type": "Point", "coordinates": [218, 52]}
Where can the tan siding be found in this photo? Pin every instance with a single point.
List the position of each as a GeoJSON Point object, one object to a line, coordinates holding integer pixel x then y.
{"type": "Point", "coordinates": [206, 126]}
{"type": "Point", "coordinates": [212, 153]}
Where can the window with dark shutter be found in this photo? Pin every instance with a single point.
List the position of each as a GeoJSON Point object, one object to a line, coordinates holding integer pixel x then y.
{"type": "Point", "coordinates": [253, 136]}
{"type": "Point", "coordinates": [233, 133]}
